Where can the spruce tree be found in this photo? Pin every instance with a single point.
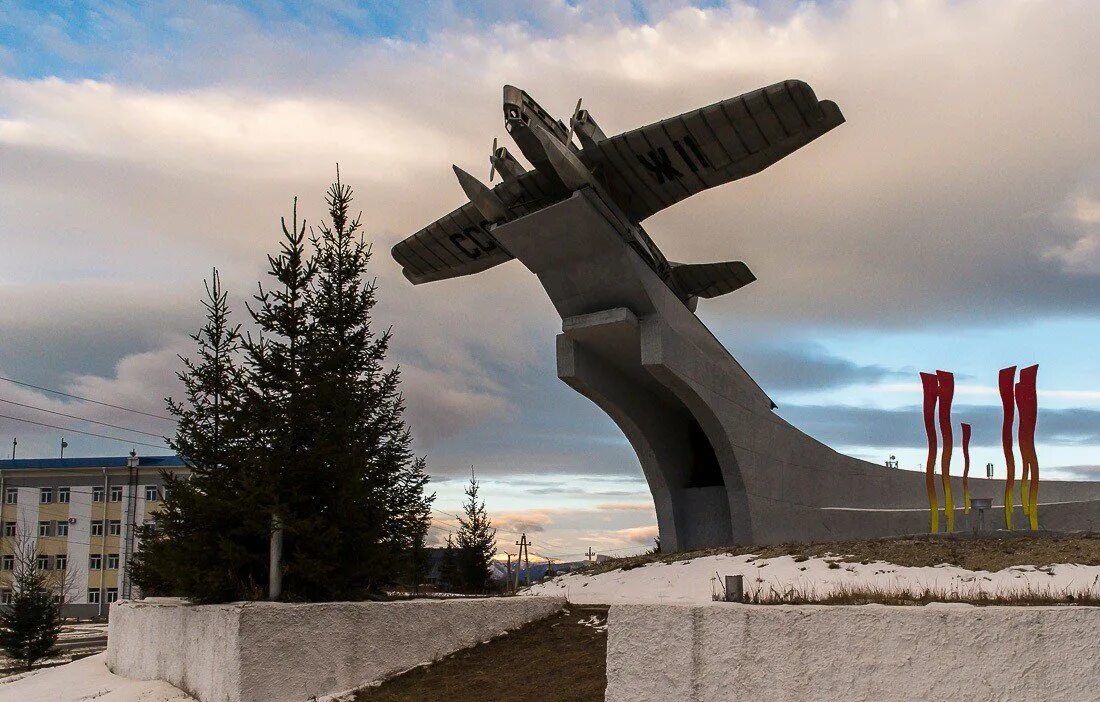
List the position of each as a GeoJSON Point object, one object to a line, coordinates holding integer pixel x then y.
{"type": "Point", "coordinates": [370, 506]}
{"type": "Point", "coordinates": [448, 567]}
{"type": "Point", "coordinates": [476, 542]}
{"type": "Point", "coordinates": [209, 538]}
{"type": "Point", "coordinates": [282, 408]}
{"type": "Point", "coordinates": [31, 623]}
{"type": "Point", "coordinates": [300, 426]}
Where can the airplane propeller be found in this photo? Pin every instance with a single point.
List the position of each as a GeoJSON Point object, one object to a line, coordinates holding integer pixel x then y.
{"type": "Point", "coordinates": [493, 161]}
{"type": "Point", "coordinates": [573, 121]}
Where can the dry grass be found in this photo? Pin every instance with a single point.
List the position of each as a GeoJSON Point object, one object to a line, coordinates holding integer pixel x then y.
{"type": "Point", "coordinates": [843, 594]}
{"type": "Point", "coordinates": [991, 554]}
{"type": "Point", "coordinates": [559, 659]}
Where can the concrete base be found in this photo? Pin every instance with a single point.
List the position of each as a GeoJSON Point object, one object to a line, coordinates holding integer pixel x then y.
{"type": "Point", "coordinates": [722, 467]}
{"type": "Point", "coordinates": [277, 652]}
{"type": "Point", "coordinates": [720, 652]}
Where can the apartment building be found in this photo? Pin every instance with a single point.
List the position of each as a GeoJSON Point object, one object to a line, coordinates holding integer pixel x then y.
{"type": "Point", "coordinates": [83, 514]}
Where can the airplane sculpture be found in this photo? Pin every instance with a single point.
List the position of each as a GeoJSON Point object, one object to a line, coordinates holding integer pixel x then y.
{"type": "Point", "coordinates": [634, 174]}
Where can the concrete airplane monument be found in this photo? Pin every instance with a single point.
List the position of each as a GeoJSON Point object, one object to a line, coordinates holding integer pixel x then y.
{"type": "Point", "coordinates": [722, 466]}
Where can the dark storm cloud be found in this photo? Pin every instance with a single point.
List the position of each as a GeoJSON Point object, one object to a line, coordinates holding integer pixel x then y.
{"type": "Point", "coordinates": [904, 428]}
{"type": "Point", "coordinates": [804, 367]}
{"type": "Point", "coordinates": [1083, 472]}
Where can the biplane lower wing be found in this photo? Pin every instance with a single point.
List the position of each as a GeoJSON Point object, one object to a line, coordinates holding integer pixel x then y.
{"type": "Point", "coordinates": [460, 243]}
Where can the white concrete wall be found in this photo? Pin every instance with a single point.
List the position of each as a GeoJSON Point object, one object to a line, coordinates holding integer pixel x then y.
{"type": "Point", "coordinates": [278, 652]}
{"type": "Point", "coordinates": [718, 651]}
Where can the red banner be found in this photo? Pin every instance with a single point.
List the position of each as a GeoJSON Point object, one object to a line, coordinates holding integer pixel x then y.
{"type": "Point", "coordinates": [946, 395]}
{"type": "Point", "coordinates": [931, 392]}
{"type": "Point", "coordinates": [1027, 403]}
{"type": "Point", "coordinates": [1005, 381]}
{"type": "Point", "coordinates": [966, 467]}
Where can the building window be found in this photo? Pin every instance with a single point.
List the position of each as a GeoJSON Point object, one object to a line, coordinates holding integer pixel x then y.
{"type": "Point", "coordinates": [9, 528]}
{"type": "Point", "coordinates": [95, 562]}
{"type": "Point", "coordinates": [43, 528]}
{"type": "Point", "coordinates": [8, 562]}
{"type": "Point", "coordinates": [152, 494]}
{"type": "Point", "coordinates": [63, 495]}
{"type": "Point", "coordinates": [93, 596]}
{"type": "Point", "coordinates": [61, 561]}
{"type": "Point", "coordinates": [5, 596]}
{"type": "Point", "coordinates": [116, 493]}
{"type": "Point", "coordinates": [115, 527]}
{"type": "Point", "coordinates": [62, 528]}
{"type": "Point", "coordinates": [112, 594]}
{"type": "Point", "coordinates": [42, 562]}
{"type": "Point", "coordinates": [97, 527]}
{"type": "Point", "coordinates": [11, 496]}
{"type": "Point", "coordinates": [112, 561]}
{"type": "Point", "coordinates": [97, 494]}
{"type": "Point", "coordinates": [45, 495]}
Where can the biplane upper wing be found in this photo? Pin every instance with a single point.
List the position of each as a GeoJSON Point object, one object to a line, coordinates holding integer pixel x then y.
{"type": "Point", "coordinates": [653, 167]}
{"type": "Point", "coordinates": [461, 243]}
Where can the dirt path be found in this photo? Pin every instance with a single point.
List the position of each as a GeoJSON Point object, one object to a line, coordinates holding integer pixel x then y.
{"type": "Point", "coordinates": [558, 659]}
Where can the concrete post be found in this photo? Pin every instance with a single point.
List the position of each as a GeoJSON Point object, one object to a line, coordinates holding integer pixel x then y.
{"type": "Point", "coordinates": [735, 588]}
{"type": "Point", "coordinates": [275, 569]}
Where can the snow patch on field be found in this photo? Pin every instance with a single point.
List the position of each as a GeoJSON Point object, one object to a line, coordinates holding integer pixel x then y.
{"type": "Point", "coordinates": [86, 679]}
{"type": "Point", "coordinates": [698, 580]}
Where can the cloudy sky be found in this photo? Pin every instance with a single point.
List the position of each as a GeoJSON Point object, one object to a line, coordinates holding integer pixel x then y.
{"type": "Point", "coordinates": [953, 222]}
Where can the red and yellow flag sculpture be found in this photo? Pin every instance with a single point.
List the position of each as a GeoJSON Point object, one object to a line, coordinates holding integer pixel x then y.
{"type": "Point", "coordinates": [1005, 380]}
{"type": "Point", "coordinates": [931, 392]}
{"type": "Point", "coordinates": [966, 467]}
{"type": "Point", "coordinates": [946, 395]}
{"type": "Point", "coordinates": [1027, 404]}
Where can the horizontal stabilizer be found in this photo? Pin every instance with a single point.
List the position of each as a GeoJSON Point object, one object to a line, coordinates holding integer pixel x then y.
{"type": "Point", "coordinates": [710, 279]}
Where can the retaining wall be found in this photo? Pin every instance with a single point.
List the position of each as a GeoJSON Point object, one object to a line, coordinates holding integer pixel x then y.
{"type": "Point", "coordinates": [280, 652]}
{"type": "Point", "coordinates": [720, 651]}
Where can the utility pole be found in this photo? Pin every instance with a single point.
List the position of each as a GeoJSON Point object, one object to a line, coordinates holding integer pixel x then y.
{"type": "Point", "coordinates": [130, 520]}
{"type": "Point", "coordinates": [524, 556]}
{"type": "Point", "coordinates": [509, 579]}
{"type": "Point", "coordinates": [14, 443]}
{"type": "Point", "coordinates": [590, 554]}
{"type": "Point", "coordinates": [64, 445]}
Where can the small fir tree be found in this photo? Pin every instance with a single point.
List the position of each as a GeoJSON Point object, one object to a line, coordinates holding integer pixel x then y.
{"type": "Point", "coordinates": [476, 542]}
{"type": "Point", "coordinates": [448, 567]}
{"type": "Point", "coordinates": [31, 623]}
{"type": "Point", "coordinates": [209, 538]}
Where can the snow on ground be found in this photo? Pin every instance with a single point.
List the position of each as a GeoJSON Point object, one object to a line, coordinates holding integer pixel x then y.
{"type": "Point", "coordinates": [697, 580]}
{"type": "Point", "coordinates": [83, 680]}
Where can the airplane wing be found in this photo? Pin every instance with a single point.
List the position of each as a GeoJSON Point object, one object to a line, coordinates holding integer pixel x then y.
{"type": "Point", "coordinates": [653, 167]}
{"type": "Point", "coordinates": [461, 242]}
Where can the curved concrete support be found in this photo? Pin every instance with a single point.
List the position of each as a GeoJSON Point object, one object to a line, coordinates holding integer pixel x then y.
{"type": "Point", "coordinates": [722, 467]}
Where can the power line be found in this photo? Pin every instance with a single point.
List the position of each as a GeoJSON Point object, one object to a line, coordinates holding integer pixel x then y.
{"type": "Point", "coordinates": [82, 419]}
{"type": "Point", "coordinates": [87, 399]}
{"type": "Point", "coordinates": [85, 433]}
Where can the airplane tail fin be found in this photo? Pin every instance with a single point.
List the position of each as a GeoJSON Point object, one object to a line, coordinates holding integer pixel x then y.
{"type": "Point", "coordinates": [710, 279]}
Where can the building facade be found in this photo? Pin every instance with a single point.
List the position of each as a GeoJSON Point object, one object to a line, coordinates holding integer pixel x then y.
{"type": "Point", "coordinates": [83, 516]}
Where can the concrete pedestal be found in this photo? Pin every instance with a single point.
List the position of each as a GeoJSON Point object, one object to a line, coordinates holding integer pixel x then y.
{"type": "Point", "coordinates": [281, 652]}
{"type": "Point", "coordinates": [722, 467]}
{"type": "Point", "coordinates": [778, 653]}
